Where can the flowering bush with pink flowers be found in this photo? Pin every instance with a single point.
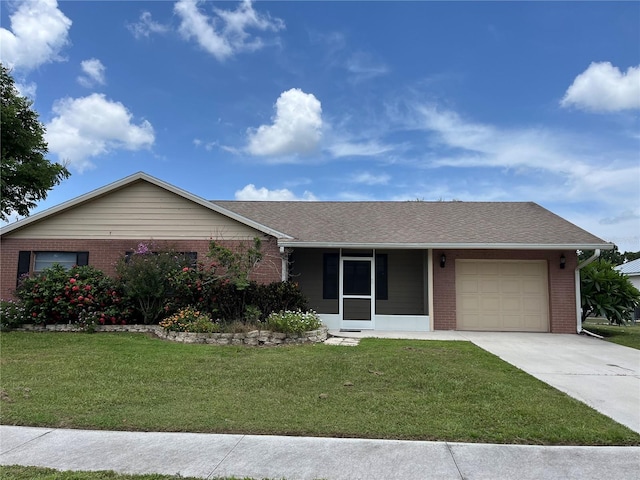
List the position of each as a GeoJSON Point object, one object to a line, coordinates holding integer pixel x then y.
{"type": "Point", "coordinates": [82, 295]}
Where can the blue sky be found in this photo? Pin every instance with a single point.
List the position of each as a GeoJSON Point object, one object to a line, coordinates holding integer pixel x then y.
{"type": "Point", "coordinates": [472, 101]}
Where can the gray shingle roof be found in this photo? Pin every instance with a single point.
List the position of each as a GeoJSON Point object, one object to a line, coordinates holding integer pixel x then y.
{"type": "Point", "coordinates": [517, 224]}
{"type": "Point", "coordinates": [630, 268]}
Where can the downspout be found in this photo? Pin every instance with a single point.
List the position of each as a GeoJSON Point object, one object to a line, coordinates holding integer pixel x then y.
{"type": "Point", "coordinates": [284, 256]}
{"type": "Point", "coordinates": [580, 266]}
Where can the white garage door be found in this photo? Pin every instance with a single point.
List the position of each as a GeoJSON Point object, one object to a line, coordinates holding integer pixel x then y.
{"type": "Point", "coordinates": [502, 295]}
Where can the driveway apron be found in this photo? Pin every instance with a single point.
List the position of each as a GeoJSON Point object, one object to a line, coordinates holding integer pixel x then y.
{"type": "Point", "coordinates": [604, 375]}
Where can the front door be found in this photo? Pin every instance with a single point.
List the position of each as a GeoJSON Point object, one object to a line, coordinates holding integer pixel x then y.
{"type": "Point", "coordinates": [357, 287]}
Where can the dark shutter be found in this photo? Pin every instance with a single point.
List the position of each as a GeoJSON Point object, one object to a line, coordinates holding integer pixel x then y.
{"type": "Point", "coordinates": [330, 272]}
{"type": "Point", "coordinates": [382, 277]}
{"type": "Point", "coordinates": [24, 264]}
{"type": "Point", "coordinates": [83, 259]}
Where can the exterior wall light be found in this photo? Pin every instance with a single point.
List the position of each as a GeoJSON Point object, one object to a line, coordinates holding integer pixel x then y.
{"type": "Point", "coordinates": [443, 260]}
{"type": "Point", "coordinates": [563, 261]}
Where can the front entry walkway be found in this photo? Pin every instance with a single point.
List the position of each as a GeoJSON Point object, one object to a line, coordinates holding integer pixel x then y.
{"type": "Point", "coordinates": [604, 375]}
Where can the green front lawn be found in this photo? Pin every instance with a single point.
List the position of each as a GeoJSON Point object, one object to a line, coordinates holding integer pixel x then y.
{"type": "Point", "coordinates": [16, 472]}
{"type": "Point", "coordinates": [426, 390]}
{"type": "Point", "coordinates": [628, 335]}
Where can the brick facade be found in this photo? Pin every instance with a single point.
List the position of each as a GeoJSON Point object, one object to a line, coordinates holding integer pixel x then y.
{"type": "Point", "coordinates": [562, 299]}
{"type": "Point", "coordinates": [105, 254]}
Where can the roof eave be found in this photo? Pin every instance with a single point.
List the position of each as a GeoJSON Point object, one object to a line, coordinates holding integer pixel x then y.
{"type": "Point", "coordinates": [450, 246]}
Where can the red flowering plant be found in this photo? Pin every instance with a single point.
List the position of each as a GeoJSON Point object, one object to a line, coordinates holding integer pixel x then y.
{"type": "Point", "coordinates": [192, 286]}
{"type": "Point", "coordinates": [81, 295]}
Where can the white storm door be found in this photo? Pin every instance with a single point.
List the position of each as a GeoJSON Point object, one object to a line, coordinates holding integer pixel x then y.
{"type": "Point", "coordinates": [357, 284]}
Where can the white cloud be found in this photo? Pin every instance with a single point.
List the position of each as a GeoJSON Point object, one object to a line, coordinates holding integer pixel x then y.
{"type": "Point", "coordinates": [362, 67]}
{"type": "Point", "coordinates": [93, 70]}
{"type": "Point", "coordinates": [146, 26]}
{"type": "Point", "coordinates": [604, 88]}
{"type": "Point", "coordinates": [27, 89]}
{"type": "Point", "coordinates": [226, 33]}
{"type": "Point", "coordinates": [556, 160]}
{"type": "Point", "coordinates": [353, 149]}
{"type": "Point", "coordinates": [90, 126]}
{"type": "Point", "coordinates": [250, 192]}
{"type": "Point", "coordinates": [39, 31]}
{"type": "Point", "coordinates": [296, 127]}
{"type": "Point", "coordinates": [368, 178]}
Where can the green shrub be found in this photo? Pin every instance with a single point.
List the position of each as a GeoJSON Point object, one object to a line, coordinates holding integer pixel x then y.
{"type": "Point", "coordinates": [607, 293]}
{"type": "Point", "coordinates": [278, 296]}
{"type": "Point", "coordinates": [189, 320]}
{"type": "Point", "coordinates": [293, 321]}
{"type": "Point", "coordinates": [228, 302]}
{"type": "Point", "coordinates": [12, 314]}
{"type": "Point", "coordinates": [82, 295]}
{"type": "Point", "coordinates": [252, 314]}
{"type": "Point", "coordinates": [145, 277]}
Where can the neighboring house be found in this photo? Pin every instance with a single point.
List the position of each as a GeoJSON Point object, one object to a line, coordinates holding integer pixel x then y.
{"type": "Point", "coordinates": [632, 271]}
{"type": "Point", "coordinates": [413, 266]}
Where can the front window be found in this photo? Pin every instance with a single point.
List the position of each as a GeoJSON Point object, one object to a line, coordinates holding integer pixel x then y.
{"type": "Point", "coordinates": [48, 259]}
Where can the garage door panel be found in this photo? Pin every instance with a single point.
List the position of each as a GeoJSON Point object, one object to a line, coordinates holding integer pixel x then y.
{"type": "Point", "coordinates": [510, 286]}
{"type": "Point", "coordinates": [489, 304]}
{"type": "Point", "coordinates": [489, 286]}
{"type": "Point", "coordinates": [470, 303]}
{"type": "Point", "coordinates": [513, 322]}
{"type": "Point", "coordinates": [503, 295]}
{"type": "Point", "coordinates": [512, 305]}
{"type": "Point", "coordinates": [488, 269]}
{"type": "Point", "coordinates": [533, 269]}
{"type": "Point", "coordinates": [469, 285]}
{"type": "Point", "coordinates": [532, 305]}
{"type": "Point", "coordinates": [467, 268]}
{"type": "Point", "coordinates": [510, 269]}
{"type": "Point", "coordinates": [532, 286]}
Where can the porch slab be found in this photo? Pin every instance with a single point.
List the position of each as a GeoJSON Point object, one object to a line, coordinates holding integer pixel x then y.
{"type": "Point", "coordinates": [400, 335]}
{"type": "Point", "coordinates": [345, 342]}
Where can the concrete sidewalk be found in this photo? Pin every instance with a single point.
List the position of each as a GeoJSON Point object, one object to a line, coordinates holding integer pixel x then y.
{"type": "Point", "coordinates": [292, 458]}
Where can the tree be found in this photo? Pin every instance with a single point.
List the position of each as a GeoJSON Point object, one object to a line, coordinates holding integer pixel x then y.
{"type": "Point", "coordinates": [612, 256]}
{"type": "Point", "coordinates": [26, 175]}
{"type": "Point", "coordinates": [607, 293]}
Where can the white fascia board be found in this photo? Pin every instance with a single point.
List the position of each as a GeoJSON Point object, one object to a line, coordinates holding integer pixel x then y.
{"type": "Point", "coordinates": [450, 246]}
{"type": "Point", "coordinates": [129, 180]}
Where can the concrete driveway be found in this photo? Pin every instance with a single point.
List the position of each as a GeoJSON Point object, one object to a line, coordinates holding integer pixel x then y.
{"type": "Point", "coordinates": [601, 374]}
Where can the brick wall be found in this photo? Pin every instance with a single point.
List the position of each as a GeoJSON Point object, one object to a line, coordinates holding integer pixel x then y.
{"type": "Point", "coordinates": [105, 254]}
{"type": "Point", "coordinates": [562, 300]}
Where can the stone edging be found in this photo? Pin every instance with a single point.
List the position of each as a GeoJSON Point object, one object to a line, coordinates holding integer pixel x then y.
{"type": "Point", "coordinates": [252, 338]}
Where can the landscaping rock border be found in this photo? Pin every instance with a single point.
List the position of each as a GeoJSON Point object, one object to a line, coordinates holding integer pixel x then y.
{"type": "Point", "coordinates": [252, 338]}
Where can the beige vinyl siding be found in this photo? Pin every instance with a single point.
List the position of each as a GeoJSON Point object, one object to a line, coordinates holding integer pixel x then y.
{"type": "Point", "coordinates": [406, 283]}
{"type": "Point", "coordinates": [306, 270]}
{"type": "Point", "coordinates": [139, 210]}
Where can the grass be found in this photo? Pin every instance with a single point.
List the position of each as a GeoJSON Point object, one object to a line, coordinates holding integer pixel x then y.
{"type": "Point", "coordinates": [627, 335]}
{"type": "Point", "coordinates": [396, 389]}
{"type": "Point", "coordinates": [16, 472]}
